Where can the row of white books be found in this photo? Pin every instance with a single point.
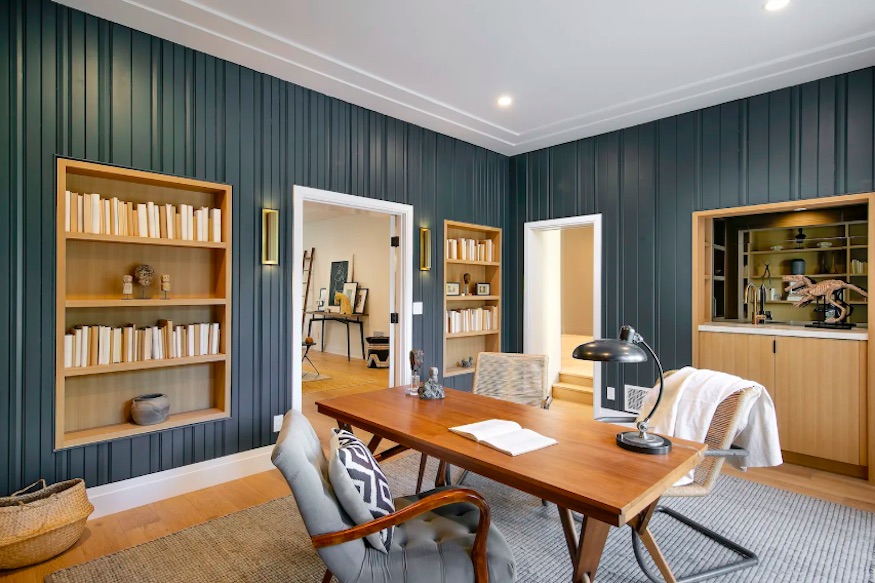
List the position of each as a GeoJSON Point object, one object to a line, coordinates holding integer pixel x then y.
{"type": "Point", "coordinates": [470, 249]}
{"type": "Point", "coordinates": [100, 345]}
{"type": "Point", "coordinates": [89, 213]}
{"type": "Point", "coordinates": [859, 267]}
{"type": "Point", "coordinates": [472, 320]}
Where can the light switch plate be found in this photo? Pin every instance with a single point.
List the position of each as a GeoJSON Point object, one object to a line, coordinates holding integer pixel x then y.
{"type": "Point", "coordinates": [277, 423]}
{"type": "Point", "coordinates": [417, 308]}
{"type": "Point", "coordinates": [612, 394]}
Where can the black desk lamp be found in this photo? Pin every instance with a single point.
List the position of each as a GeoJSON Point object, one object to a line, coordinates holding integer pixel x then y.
{"type": "Point", "coordinates": [626, 349]}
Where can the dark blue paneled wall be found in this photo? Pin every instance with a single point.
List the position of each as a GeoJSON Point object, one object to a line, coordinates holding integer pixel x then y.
{"type": "Point", "coordinates": [75, 85]}
{"type": "Point", "coordinates": [803, 142]}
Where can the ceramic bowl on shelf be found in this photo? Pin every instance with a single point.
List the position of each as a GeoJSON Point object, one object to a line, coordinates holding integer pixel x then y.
{"type": "Point", "coordinates": [776, 247]}
{"type": "Point", "coordinates": [824, 244]}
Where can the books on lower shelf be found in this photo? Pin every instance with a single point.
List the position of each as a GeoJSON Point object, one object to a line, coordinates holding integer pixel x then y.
{"type": "Point", "coordinates": [470, 249]}
{"type": "Point", "coordinates": [505, 436]}
{"type": "Point", "coordinates": [90, 213]}
{"type": "Point", "coordinates": [472, 320]}
{"type": "Point", "coordinates": [859, 267]}
{"type": "Point", "coordinates": [102, 345]}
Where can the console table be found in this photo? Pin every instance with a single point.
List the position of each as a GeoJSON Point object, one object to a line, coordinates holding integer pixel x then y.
{"type": "Point", "coordinates": [347, 319]}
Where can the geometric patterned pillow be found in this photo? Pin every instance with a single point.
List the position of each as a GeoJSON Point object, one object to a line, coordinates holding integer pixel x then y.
{"type": "Point", "coordinates": [360, 485]}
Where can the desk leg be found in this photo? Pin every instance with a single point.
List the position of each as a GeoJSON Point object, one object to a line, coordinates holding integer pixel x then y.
{"type": "Point", "coordinates": [322, 324]}
{"type": "Point", "coordinates": [586, 548]}
{"type": "Point", "coordinates": [362, 337]}
{"type": "Point", "coordinates": [348, 355]}
{"type": "Point", "coordinates": [641, 525]}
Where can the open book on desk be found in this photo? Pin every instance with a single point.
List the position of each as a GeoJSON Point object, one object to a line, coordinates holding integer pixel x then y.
{"type": "Point", "coordinates": [505, 436]}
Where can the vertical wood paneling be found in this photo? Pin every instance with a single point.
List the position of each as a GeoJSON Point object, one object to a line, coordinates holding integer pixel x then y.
{"type": "Point", "coordinates": [75, 85]}
{"type": "Point", "coordinates": [799, 142]}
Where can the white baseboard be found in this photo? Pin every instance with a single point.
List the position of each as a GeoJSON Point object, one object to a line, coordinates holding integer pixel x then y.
{"type": "Point", "coordinates": [127, 494]}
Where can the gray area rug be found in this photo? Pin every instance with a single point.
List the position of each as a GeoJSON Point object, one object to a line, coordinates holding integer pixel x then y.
{"type": "Point", "coordinates": [798, 539]}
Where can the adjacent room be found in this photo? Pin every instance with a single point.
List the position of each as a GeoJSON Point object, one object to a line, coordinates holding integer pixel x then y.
{"type": "Point", "coordinates": [437, 292]}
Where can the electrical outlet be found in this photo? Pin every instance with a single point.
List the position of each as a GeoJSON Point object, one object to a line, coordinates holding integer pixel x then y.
{"type": "Point", "coordinates": [277, 423]}
{"type": "Point", "coordinates": [612, 394]}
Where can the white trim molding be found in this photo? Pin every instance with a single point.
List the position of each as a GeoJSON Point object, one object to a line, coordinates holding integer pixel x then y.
{"type": "Point", "coordinates": [401, 334]}
{"type": "Point", "coordinates": [127, 494]}
{"type": "Point", "coordinates": [533, 288]}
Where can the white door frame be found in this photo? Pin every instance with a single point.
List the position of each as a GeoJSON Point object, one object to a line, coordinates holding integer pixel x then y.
{"type": "Point", "coordinates": [532, 287]}
{"type": "Point", "coordinates": [401, 334]}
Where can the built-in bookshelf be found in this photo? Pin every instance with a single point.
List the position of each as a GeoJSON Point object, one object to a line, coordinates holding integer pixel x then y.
{"type": "Point", "coordinates": [472, 321]}
{"type": "Point", "coordinates": [112, 346]}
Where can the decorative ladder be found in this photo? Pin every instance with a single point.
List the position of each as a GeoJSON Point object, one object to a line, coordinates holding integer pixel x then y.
{"type": "Point", "coordinates": [308, 274]}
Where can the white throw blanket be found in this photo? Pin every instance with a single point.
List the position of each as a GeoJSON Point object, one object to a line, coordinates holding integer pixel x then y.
{"type": "Point", "coordinates": [689, 401]}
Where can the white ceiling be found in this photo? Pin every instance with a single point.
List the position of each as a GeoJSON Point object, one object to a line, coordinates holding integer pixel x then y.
{"type": "Point", "coordinates": [575, 68]}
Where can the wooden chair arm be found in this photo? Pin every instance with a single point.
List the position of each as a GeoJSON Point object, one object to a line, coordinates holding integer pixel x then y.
{"type": "Point", "coordinates": [421, 506]}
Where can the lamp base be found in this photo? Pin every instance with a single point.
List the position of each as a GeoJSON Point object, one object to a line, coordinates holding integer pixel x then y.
{"type": "Point", "coordinates": [650, 443]}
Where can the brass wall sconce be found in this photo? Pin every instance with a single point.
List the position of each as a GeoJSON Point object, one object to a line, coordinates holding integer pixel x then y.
{"type": "Point", "coordinates": [270, 237]}
{"type": "Point", "coordinates": [424, 249]}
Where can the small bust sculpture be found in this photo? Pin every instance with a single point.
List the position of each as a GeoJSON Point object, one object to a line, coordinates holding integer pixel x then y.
{"type": "Point", "coordinates": [467, 362]}
{"type": "Point", "coordinates": [144, 275]}
{"type": "Point", "coordinates": [165, 285]}
{"type": "Point", "coordinates": [466, 284]}
{"type": "Point", "coordinates": [416, 358]}
{"type": "Point", "coordinates": [127, 286]}
{"type": "Point", "coordinates": [432, 389]}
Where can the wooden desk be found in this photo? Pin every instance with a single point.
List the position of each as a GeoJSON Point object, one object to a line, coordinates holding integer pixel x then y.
{"type": "Point", "coordinates": [585, 472]}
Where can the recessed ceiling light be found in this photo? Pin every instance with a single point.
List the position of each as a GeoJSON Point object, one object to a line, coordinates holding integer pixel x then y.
{"type": "Point", "coordinates": [505, 100]}
{"type": "Point", "coordinates": [801, 208]}
{"type": "Point", "coordinates": [775, 5]}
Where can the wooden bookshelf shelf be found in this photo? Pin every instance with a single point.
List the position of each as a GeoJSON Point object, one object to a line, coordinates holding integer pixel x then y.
{"type": "Point", "coordinates": [462, 345]}
{"type": "Point", "coordinates": [120, 430]}
{"type": "Point", "coordinates": [472, 298]}
{"type": "Point", "coordinates": [143, 365]}
{"type": "Point", "coordinates": [92, 403]}
{"type": "Point", "coordinates": [472, 334]}
{"type": "Point", "coordinates": [481, 263]}
{"type": "Point", "coordinates": [454, 371]}
{"type": "Point", "coordinates": [116, 303]}
{"type": "Point", "coordinates": [144, 241]}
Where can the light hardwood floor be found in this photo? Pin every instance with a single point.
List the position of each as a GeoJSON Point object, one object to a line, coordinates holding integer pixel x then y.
{"type": "Point", "coordinates": [119, 531]}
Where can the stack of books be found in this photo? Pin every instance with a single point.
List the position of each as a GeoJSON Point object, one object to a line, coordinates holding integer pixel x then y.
{"type": "Point", "coordinates": [89, 213]}
{"type": "Point", "coordinates": [859, 267]}
{"type": "Point", "coordinates": [101, 345]}
{"type": "Point", "coordinates": [472, 320]}
{"type": "Point", "coordinates": [470, 249]}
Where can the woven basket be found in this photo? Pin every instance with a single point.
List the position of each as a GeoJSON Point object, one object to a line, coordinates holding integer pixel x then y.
{"type": "Point", "coordinates": [36, 526]}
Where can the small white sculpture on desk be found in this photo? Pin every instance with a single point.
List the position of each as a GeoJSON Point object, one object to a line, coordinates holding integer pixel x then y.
{"type": "Point", "coordinates": [127, 287]}
{"type": "Point", "coordinates": [432, 389]}
{"type": "Point", "coordinates": [165, 285]}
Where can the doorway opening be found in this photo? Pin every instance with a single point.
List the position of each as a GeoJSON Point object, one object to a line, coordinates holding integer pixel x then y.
{"type": "Point", "coordinates": [352, 293]}
{"type": "Point", "coordinates": [563, 302]}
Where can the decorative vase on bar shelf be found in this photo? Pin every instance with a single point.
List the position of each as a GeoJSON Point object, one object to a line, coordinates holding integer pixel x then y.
{"type": "Point", "coordinates": [150, 409]}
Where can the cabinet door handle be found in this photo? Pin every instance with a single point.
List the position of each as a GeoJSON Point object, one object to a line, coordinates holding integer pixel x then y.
{"type": "Point", "coordinates": [774, 347]}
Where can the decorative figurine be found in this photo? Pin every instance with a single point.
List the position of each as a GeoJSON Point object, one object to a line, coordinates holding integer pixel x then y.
{"type": "Point", "coordinates": [466, 362]}
{"type": "Point", "coordinates": [432, 389]}
{"type": "Point", "coordinates": [416, 358]}
{"type": "Point", "coordinates": [343, 301]}
{"type": "Point", "coordinates": [144, 275]}
{"type": "Point", "coordinates": [801, 285]}
{"type": "Point", "coordinates": [466, 285]}
{"type": "Point", "coordinates": [165, 285]}
{"type": "Point", "coordinates": [127, 287]}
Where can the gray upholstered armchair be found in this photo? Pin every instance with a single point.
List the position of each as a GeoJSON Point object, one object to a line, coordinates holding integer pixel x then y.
{"type": "Point", "coordinates": [441, 536]}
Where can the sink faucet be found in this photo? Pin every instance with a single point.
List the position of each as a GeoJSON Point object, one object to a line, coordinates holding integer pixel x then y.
{"type": "Point", "coordinates": [756, 314]}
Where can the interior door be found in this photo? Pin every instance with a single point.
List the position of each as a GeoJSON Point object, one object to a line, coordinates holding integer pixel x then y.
{"type": "Point", "coordinates": [395, 299]}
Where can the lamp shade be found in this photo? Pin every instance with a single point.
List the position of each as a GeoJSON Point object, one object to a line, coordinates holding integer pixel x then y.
{"type": "Point", "coordinates": [610, 350]}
